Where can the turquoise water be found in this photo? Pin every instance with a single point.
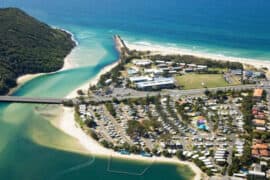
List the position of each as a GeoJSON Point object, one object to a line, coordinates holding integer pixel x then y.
{"type": "Point", "coordinates": [32, 148]}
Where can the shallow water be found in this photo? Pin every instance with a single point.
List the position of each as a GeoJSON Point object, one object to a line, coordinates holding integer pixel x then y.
{"type": "Point", "coordinates": [31, 148]}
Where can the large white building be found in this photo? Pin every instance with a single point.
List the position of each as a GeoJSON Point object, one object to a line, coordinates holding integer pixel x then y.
{"type": "Point", "coordinates": [156, 84]}
{"type": "Point", "coordinates": [142, 62]}
{"type": "Point", "coordinates": [136, 79]}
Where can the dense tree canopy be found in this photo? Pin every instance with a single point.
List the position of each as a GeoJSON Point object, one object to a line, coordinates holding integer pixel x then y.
{"type": "Point", "coordinates": [28, 46]}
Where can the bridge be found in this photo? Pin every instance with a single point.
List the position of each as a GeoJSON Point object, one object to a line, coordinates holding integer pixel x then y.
{"type": "Point", "coordinates": [121, 93]}
{"type": "Point", "coordinates": [126, 93]}
{"type": "Point", "coordinates": [19, 99]}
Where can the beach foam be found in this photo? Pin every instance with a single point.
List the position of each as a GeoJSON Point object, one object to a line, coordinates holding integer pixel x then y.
{"type": "Point", "coordinates": [175, 50]}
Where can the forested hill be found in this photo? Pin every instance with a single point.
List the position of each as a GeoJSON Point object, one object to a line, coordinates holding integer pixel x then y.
{"type": "Point", "coordinates": [28, 46]}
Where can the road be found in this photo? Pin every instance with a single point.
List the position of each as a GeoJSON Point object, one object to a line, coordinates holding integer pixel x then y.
{"type": "Point", "coordinates": [125, 93]}
{"type": "Point", "coordinates": [19, 99]}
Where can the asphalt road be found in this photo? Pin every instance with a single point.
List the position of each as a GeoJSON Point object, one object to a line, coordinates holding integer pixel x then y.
{"type": "Point", "coordinates": [125, 93]}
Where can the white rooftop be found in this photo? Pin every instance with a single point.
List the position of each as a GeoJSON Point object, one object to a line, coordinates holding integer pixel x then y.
{"type": "Point", "coordinates": [142, 62]}
{"type": "Point", "coordinates": [140, 78]}
{"type": "Point", "coordinates": [156, 82]}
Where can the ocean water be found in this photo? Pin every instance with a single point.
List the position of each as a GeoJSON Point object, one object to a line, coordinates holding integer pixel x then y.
{"type": "Point", "coordinates": [225, 27]}
{"type": "Point", "coordinates": [32, 148]}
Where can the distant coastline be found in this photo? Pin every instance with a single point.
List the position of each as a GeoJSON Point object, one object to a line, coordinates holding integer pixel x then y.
{"type": "Point", "coordinates": [169, 50]}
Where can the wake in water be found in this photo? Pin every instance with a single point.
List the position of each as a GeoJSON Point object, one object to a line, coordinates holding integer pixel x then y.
{"type": "Point", "coordinates": [74, 168]}
{"type": "Point", "coordinates": [111, 170]}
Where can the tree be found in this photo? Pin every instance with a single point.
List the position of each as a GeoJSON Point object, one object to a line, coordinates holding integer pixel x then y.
{"type": "Point", "coordinates": [115, 100]}
{"type": "Point", "coordinates": [80, 92]}
{"type": "Point", "coordinates": [166, 153]}
{"type": "Point", "coordinates": [179, 155]}
{"type": "Point", "coordinates": [147, 150]}
{"type": "Point", "coordinates": [234, 167]}
{"type": "Point", "coordinates": [155, 151]}
{"type": "Point", "coordinates": [90, 123]}
{"type": "Point", "coordinates": [106, 144]}
{"type": "Point", "coordinates": [110, 108]}
{"type": "Point", "coordinates": [135, 128]}
{"type": "Point", "coordinates": [135, 149]}
{"type": "Point", "coordinates": [94, 135]}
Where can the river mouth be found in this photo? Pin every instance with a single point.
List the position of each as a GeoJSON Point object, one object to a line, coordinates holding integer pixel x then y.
{"type": "Point", "coordinates": [31, 145]}
{"type": "Point", "coordinates": [30, 138]}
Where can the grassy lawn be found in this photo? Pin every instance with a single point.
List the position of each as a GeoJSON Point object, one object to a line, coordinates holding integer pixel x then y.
{"type": "Point", "coordinates": [220, 70]}
{"type": "Point", "coordinates": [195, 81]}
{"type": "Point", "coordinates": [128, 65]}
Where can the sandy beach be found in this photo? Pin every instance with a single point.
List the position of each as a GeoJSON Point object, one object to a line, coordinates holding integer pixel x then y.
{"type": "Point", "coordinates": [167, 50]}
{"type": "Point", "coordinates": [68, 125]}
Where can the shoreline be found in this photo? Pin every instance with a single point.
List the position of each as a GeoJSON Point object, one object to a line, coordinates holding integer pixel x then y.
{"type": "Point", "coordinates": [21, 80]}
{"type": "Point", "coordinates": [68, 125]}
{"type": "Point", "coordinates": [105, 69]}
{"type": "Point", "coordinates": [70, 33]}
{"type": "Point", "coordinates": [170, 50]}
